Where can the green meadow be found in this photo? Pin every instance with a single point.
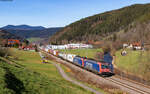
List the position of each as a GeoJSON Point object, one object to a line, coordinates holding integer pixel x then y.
{"type": "Point", "coordinates": [135, 62]}
{"type": "Point", "coordinates": [34, 39]}
{"type": "Point", "coordinates": [27, 75]}
{"type": "Point", "coordinates": [130, 62]}
{"type": "Point", "coordinates": [90, 53]}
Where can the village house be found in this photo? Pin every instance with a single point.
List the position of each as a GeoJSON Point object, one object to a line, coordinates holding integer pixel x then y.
{"type": "Point", "coordinates": [13, 41]}
{"type": "Point", "coordinates": [134, 46]}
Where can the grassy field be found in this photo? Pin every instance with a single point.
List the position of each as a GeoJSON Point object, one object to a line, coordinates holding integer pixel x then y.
{"type": "Point", "coordinates": [90, 53]}
{"type": "Point", "coordinates": [129, 62]}
{"type": "Point", "coordinates": [135, 62]}
{"type": "Point", "coordinates": [33, 39]}
{"type": "Point", "coordinates": [30, 76]}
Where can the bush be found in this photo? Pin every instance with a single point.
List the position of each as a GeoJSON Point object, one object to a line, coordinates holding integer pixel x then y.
{"type": "Point", "coordinates": [16, 45]}
{"type": "Point", "coordinates": [117, 45]}
{"type": "Point", "coordinates": [107, 46]}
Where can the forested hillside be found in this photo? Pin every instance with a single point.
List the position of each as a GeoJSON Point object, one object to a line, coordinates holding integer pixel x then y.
{"type": "Point", "coordinates": [31, 33]}
{"type": "Point", "coordinates": [26, 31]}
{"type": "Point", "coordinates": [23, 27]}
{"type": "Point", "coordinates": [101, 26]}
{"type": "Point", "coordinates": [6, 35]}
{"type": "Point", "coordinates": [45, 33]}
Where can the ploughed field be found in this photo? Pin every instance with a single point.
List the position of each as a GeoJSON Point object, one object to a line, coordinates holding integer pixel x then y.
{"type": "Point", "coordinates": [27, 75]}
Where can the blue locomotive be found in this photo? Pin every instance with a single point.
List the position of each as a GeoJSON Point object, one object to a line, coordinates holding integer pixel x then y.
{"type": "Point", "coordinates": [99, 67]}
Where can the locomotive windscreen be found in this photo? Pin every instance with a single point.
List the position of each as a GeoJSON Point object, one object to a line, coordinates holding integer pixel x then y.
{"type": "Point", "coordinates": [104, 67]}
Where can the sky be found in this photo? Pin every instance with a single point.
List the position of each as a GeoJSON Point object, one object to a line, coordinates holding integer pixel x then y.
{"type": "Point", "coordinates": [55, 13]}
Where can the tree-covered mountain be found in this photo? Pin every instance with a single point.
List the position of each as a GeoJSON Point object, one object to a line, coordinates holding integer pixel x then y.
{"type": "Point", "coordinates": [45, 33]}
{"type": "Point", "coordinates": [23, 27]}
{"type": "Point", "coordinates": [100, 26]}
{"type": "Point", "coordinates": [6, 35]}
{"type": "Point", "coordinates": [30, 32]}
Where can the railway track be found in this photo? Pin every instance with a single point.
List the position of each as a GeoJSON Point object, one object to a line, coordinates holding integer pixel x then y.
{"type": "Point", "coordinates": [125, 85]}
{"type": "Point", "coordinates": [122, 83]}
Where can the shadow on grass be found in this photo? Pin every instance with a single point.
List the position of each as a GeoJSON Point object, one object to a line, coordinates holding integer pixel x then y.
{"type": "Point", "coordinates": [19, 65]}
{"type": "Point", "coordinates": [13, 83]}
{"type": "Point", "coordinates": [16, 59]}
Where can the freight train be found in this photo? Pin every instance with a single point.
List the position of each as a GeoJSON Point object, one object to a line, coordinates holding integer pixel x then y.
{"type": "Point", "coordinates": [98, 67]}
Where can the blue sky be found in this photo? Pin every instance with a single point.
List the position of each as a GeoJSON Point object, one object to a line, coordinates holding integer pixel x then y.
{"type": "Point", "coordinates": [56, 13]}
